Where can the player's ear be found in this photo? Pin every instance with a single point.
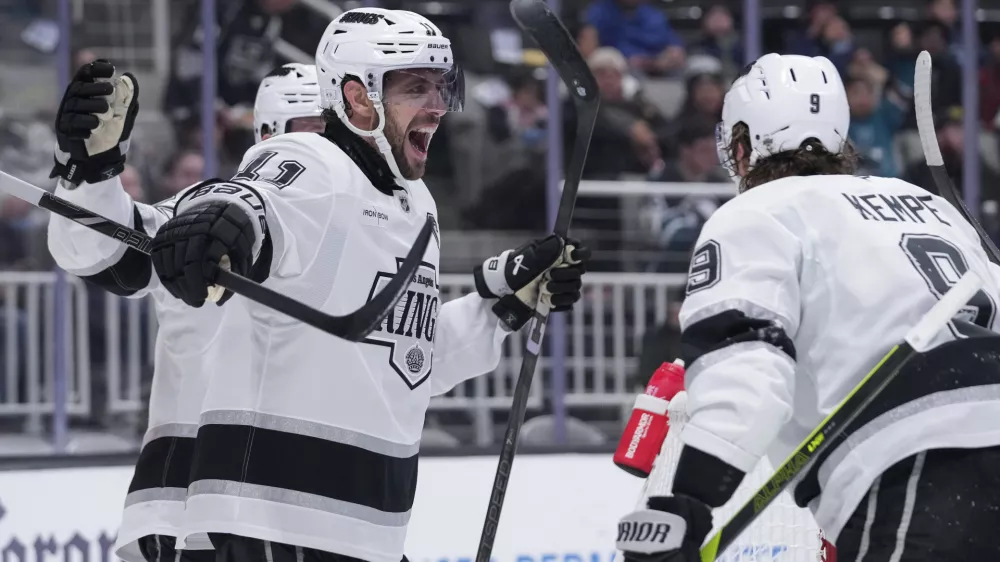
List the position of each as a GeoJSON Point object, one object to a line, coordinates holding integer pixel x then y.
{"type": "Point", "coordinates": [356, 100]}
{"type": "Point", "coordinates": [742, 159]}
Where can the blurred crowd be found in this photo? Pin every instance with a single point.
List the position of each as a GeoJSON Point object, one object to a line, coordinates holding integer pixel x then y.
{"type": "Point", "coordinates": [661, 84]}
{"type": "Point", "coordinates": [662, 81]}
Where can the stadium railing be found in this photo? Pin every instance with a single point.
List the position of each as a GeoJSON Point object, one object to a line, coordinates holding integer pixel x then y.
{"type": "Point", "coordinates": [604, 335]}
{"type": "Point", "coordinates": [28, 342]}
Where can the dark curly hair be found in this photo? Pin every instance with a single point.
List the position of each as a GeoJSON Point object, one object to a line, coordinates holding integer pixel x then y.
{"type": "Point", "coordinates": [809, 159]}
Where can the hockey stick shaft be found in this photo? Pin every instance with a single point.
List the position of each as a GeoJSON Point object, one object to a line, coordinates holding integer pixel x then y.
{"type": "Point", "coordinates": [538, 21]}
{"type": "Point", "coordinates": [932, 151]}
{"type": "Point", "coordinates": [353, 327]}
{"type": "Point", "coordinates": [916, 341]}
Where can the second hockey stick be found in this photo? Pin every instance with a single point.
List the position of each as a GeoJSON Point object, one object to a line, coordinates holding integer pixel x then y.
{"type": "Point", "coordinates": [544, 27]}
{"type": "Point", "coordinates": [932, 151]}
{"type": "Point", "coordinates": [916, 341]}
{"type": "Point", "coordinates": [352, 327]}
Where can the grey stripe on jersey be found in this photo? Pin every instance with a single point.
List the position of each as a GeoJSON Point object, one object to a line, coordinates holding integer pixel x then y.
{"type": "Point", "coordinates": [898, 414]}
{"type": "Point", "coordinates": [155, 494]}
{"type": "Point", "coordinates": [188, 430]}
{"type": "Point", "coordinates": [299, 499]}
{"type": "Point", "coordinates": [309, 429]}
{"type": "Point", "coordinates": [713, 357]}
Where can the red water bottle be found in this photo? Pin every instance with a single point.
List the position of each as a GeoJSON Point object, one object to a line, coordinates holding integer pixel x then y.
{"type": "Point", "coordinates": [647, 427]}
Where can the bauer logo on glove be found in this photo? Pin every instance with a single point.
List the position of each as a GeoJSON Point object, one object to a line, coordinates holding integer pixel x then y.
{"type": "Point", "coordinates": [94, 124]}
{"type": "Point", "coordinates": [549, 269]}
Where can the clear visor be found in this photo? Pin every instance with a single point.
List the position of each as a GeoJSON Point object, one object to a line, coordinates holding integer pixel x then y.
{"type": "Point", "coordinates": [721, 146]}
{"type": "Point", "coordinates": [310, 124]}
{"type": "Point", "coordinates": [425, 88]}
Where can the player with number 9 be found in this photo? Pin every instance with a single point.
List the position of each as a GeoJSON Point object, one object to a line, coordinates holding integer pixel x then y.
{"type": "Point", "coordinates": [798, 286]}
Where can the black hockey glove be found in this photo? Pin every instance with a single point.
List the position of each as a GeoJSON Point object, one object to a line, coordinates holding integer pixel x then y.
{"type": "Point", "coordinates": [94, 123]}
{"type": "Point", "coordinates": [671, 529]}
{"type": "Point", "coordinates": [515, 277]}
{"type": "Point", "coordinates": [189, 249]}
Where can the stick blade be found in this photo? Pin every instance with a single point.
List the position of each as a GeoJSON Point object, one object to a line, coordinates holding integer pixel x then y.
{"type": "Point", "coordinates": [922, 105]}
{"type": "Point", "coordinates": [538, 21]}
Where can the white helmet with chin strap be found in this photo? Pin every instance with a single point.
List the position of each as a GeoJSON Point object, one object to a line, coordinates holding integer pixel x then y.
{"type": "Point", "coordinates": [366, 44]}
{"type": "Point", "coordinates": [784, 100]}
{"type": "Point", "coordinates": [288, 92]}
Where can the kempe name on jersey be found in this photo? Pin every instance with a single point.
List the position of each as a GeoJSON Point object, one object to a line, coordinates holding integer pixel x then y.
{"type": "Point", "coordinates": [407, 333]}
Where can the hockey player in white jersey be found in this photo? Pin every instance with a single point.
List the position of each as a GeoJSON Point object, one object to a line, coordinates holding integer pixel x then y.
{"type": "Point", "coordinates": [191, 343]}
{"type": "Point", "coordinates": [312, 453]}
{"type": "Point", "coordinates": [798, 287]}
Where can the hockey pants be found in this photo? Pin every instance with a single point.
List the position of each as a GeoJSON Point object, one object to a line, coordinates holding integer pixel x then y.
{"type": "Point", "coordinates": [939, 505]}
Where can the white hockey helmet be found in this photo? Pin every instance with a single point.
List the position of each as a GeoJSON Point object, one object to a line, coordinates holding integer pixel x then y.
{"type": "Point", "coordinates": [288, 92]}
{"type": "Point", "coordinates": [785, 100]}
{"type": "Point", "coordinates": [368, 43]}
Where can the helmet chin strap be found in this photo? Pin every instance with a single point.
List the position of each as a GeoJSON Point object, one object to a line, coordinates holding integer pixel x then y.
{"type": "Point", "coordinates": [380, 141]}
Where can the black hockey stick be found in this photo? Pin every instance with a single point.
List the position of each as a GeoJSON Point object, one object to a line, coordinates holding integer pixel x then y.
{"type": "Point", "coordinates": [831, 428]}
{"type": "Point", "coordinates": [932, 152]}
{"type": "Point", "coordinates": [538, 21]}
{"type": "Point", "coordinates": [353, 327]}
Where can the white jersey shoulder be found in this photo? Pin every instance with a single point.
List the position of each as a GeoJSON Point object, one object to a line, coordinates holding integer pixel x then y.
{"type": "Point", "coordinates": [797, 288]}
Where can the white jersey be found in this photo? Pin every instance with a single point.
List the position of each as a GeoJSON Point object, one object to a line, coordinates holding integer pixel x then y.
{"type": "Point", "coordinates": [844, 266]}
{"type": "Point", "coordinates": [191, 343]}
{"type": "Point", "coordinates": [317, 444]}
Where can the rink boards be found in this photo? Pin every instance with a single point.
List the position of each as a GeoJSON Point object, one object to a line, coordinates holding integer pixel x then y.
{"type": "Point", "coordinates": [559, 508]}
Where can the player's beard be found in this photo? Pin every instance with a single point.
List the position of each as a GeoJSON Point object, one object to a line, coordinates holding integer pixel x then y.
{"type": "Point", "coordinates": [396, 134]}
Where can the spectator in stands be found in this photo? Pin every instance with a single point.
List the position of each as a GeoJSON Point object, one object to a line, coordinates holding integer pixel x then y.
{"type": "Point", "coordinates": [945, 12]}
{"type": "Point", "coordinates": [246, 53]}
{"type": "Point", "coordinates": [511, 159]}
{"type": "Point", "coordinates": [864, 66]}
{"type": "Point", "coordinates": [946, 81]}
{"type": "Point", "coordinates": [187, 167]}
{"type": "Point", "coordinates": [874, 122]}
{"type": "Point", "coordinates": [522, 116]}
{"type": "Point", "coordinates": [82, 56]}
{"type": "Point", "coordinates": [807, 40]}
{"type": "Point", "coordinates": [838, 43]}
{"type": "Point", "coordinates": [639, 31]}
{"type": "Point", "coordinates": [703, 98]}
{"type": "Point", "coordinates": [900, 57]}
{"type": "Point", "coordinates": [231, 140]}
{"type": "Point", "coordinates": [14, 250]}
{"type": "Point", "coordinates": [951, 138]}
{"type": "Point", "coordinates": [629, 129]}
{"type": "Point", "coordinates": [989, 86]}
{"type": "Point", "coordinates": [697, 160]}
{"type": "Point", "coordinates": [132, 184]}
{"type": "Point", "coordinates": [719, 40]}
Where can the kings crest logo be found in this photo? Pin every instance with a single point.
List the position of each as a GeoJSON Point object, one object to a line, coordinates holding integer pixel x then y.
{"type": "Point", "coordinates": [407, 333]}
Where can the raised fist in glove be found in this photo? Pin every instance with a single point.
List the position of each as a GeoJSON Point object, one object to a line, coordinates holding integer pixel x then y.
{"type": "Point", "coordinates": [94, 123]}
{"type": "Point", "coordinates": [670, 529]}
{"type": "Point", "coordinates": [549, 268]}
{"type": "Point", "coordinates": [189, 249]}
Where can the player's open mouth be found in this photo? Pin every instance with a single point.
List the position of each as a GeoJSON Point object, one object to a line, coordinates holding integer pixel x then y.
{"type": "Point", "coordinates": [420, 139]}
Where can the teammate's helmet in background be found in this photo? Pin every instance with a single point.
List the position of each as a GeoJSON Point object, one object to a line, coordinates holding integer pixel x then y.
{"type": "Point", "coordinates": [785, 100]}
{"type": "Point", "coordinates": [368, 43]}
{"type": "Point", "coordinates": [287, 93]}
